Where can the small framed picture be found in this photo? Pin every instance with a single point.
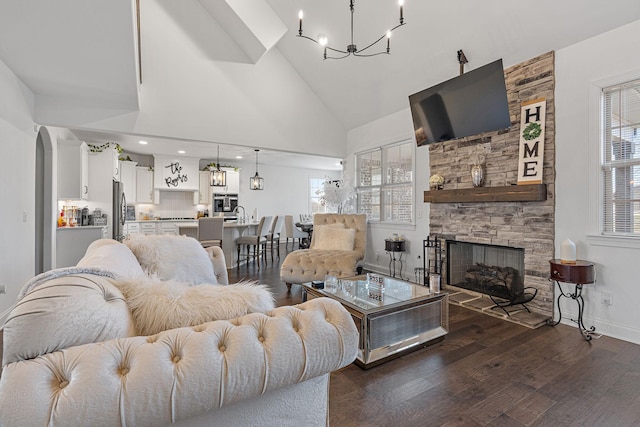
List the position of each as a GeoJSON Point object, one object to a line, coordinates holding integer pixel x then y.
{"type": "Point", "coordinates": [131, 213]}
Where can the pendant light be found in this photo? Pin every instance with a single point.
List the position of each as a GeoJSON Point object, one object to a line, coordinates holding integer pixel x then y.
{"type": "Point", "coordinates": [256, 182]}
{"type": "Point", "coordinates": [217, 177]}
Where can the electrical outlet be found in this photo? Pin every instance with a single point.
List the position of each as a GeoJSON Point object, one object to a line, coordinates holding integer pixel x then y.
{"type": "Point", "coordinates": [607, 298]}
{"type": "Point", "coordinates": [3, 288]}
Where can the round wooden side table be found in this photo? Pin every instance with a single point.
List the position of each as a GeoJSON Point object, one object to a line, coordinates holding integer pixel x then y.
{"type": "Point", "coordinates": [392, 247]}
{"type": "Point", "coordinates": [578, 274]}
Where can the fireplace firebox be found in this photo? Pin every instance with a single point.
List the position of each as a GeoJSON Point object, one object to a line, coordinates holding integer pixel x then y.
{"type": "Point", "coordinates": [496, 271]}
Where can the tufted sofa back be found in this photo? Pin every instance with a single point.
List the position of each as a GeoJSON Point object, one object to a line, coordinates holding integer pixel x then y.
{"type": "Point", "coordinates": [355, 221]}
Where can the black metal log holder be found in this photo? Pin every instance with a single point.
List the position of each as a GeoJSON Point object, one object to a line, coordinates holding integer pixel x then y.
{"type": "Point", "coordinates": [431, 258]}
{"type": "Point", "coordinates": [521, 299]}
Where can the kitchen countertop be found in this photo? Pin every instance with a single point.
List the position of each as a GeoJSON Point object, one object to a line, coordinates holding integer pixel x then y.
{"type": "Point", "coordinates": [82, 227]}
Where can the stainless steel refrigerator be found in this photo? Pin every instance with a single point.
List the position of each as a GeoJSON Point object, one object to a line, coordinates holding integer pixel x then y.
{"type": "Point", "coordinates": [119, 211]}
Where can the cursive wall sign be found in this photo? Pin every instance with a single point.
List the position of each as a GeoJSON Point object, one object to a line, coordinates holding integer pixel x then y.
{"type": "Point", "coordinates": [176, 173]}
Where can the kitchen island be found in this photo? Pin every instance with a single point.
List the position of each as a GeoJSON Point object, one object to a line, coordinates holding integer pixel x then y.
{"type": "Point", "coordinates": [231, 231]}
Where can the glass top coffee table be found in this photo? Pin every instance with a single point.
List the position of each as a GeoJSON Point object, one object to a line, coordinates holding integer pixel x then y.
{"type": "Point", "coordinates": [394, 317]}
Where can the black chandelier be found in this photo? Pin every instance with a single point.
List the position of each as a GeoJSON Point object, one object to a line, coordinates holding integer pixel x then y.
{"type": "Point", "coordinates": [217, 177]}
{"type": "Point", "coordinates": [351, 48]}
{"type": "Point", "coordinates": [256, 182]}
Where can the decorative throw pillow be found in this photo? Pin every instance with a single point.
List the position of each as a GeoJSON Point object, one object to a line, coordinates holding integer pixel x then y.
{"type": "Point", "coordinates": [332, 238]}
{"type": "Point", "coordinates": [113, 256]}
{"type": "Point", "coordinates": [167, 257]}
{"type": "Point", "coordinates": [162, 305]}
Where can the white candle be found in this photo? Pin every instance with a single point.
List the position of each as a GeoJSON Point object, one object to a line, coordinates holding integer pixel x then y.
{"type": "Point", "coordinates": [568, 252]}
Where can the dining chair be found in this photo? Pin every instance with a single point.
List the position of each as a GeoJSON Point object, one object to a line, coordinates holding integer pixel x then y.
{"type": "Point", "coordinates": [292, 232]}
{"type": "Point", "coordinates": [258, 241]}
{"type": "Point", "coordinates": [210, 230]}
{"type": "Point", "coordinates": [273, 237]}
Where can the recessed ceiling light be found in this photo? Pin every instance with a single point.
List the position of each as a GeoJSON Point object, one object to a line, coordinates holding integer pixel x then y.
{"type": "Point", "coordinates": [181, 151]}
{"type": "Point", "coordinates": [143, 142]}
{"type": "Point", "coordinates": [238, 157]}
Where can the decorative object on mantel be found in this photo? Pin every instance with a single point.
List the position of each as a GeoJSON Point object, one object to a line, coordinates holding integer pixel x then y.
{"type": "Point", "coordinates": [436, 182]}
{"type": "Point", "coordinates": [256, 182]}
{"type": "Point", "coordinates": [568, 252]}
{"type": "Point", "coordinates": [477, 171]}
{"type": "Point", "coordinates": [217, 177]}
{"type": "Point", "coordinates": [351, 48]}
{"type": "Point", "coordinates": [531, 157]}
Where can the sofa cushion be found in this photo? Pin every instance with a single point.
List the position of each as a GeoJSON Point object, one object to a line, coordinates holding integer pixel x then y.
{"type": "Point", "coordinates": [64, 312]}
{"type": "Point", "coordinates": [167, 257]}
{"type": "Point", "coordinates": [332, 238]}
{"type": "Point", "coordinates": [113, 256]}
{"type": "Point", "coordinates": [162, 305]}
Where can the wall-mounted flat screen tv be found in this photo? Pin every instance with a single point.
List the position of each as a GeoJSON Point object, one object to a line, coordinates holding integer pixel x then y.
{"type": "Point", "coordinates": [470, 104]}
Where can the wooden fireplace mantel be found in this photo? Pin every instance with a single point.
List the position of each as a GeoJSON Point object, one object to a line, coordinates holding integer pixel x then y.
{"type": "Point", "coordinates": [509, 193]}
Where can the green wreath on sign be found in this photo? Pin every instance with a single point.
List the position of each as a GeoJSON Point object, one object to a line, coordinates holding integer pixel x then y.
{"type": "Point", "coordinates": [532, 131]}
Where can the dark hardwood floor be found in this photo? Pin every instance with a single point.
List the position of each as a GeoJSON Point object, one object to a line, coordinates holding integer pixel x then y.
{"type": "Point", "coordinates": [485, 372]}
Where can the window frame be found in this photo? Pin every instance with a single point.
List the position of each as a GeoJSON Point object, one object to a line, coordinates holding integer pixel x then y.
{"type": "Point", "coordinates": [595, 235]}
{"type": "Point", "coordinates": [384, 186]}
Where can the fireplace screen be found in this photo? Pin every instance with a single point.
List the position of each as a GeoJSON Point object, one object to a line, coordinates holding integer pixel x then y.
{"type": "Point", "coordinates": [497, 271]}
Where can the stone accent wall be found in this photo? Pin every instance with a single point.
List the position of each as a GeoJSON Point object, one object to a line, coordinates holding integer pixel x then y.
{"type": "Point", "coordinates": [528, 225]}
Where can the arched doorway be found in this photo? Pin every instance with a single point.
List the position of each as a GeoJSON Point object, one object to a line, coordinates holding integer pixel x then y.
{"type": "Point", "coordinates": [44, 220]}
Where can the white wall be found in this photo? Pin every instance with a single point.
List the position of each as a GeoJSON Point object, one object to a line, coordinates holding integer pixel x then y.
{"type": "Point", "coordinates": [266, 105]}
{"type": "Point", "coordinates": [579, 69]}
{"type": "Point", "coordinates": [17, 191]}
{"type": "Point", "coordinates": [394, 128]}
{"type": "Point", "coordinates": [286, 189]}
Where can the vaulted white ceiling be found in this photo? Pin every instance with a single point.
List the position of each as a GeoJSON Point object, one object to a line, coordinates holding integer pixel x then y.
{"type": "Point", "coordinates": [80, 60]}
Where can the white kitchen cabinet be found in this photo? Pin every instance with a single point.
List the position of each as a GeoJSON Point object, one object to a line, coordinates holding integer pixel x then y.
{"type": "Point", "coordinates": [144, 185]}
{"type": "Point", "coordinates": [130, 228]}
{"type": "Point", "coordinates": [113, 151]}
{"type": "Point", "coordinates": [73, 170]}
{"type": "Point", "coordinates": [204, 192]}
{"type": "Point", "coordinates": [148, 228]}
{"type": "Point", "coordinates": [233, 181]}
{"type": "Point", "coordinates": [128, 178]}
{"type": "Point", "coordinates": [169, 228]}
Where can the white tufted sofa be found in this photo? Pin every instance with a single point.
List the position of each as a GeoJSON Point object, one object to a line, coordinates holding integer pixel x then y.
{"type": "Point", "coordinates": [71, 357]}
{"type": "Point", "coordinates": [306, 265]}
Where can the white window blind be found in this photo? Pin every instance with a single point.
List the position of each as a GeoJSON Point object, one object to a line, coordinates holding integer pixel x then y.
{"type": "Point", "coordinates": [621, 159]}
{"type": "Point", "coordinates": [385, 183]}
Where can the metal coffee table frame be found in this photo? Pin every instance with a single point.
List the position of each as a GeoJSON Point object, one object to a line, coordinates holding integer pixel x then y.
{"type": "Point", "coordinates": [408, 318]}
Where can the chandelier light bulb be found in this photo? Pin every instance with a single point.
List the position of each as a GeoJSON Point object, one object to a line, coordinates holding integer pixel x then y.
{"type": "Point", "coordinates": [300, 15]}
{"type": "Point", "coordinates": [323, 40]}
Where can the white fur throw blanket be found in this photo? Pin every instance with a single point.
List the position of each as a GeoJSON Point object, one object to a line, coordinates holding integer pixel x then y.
{"type": "Point", "coordinates": [160, 305]}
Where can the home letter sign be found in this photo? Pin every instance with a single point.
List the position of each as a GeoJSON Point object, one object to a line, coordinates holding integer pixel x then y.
{"type": "Point", "coordinates": [531, 142]}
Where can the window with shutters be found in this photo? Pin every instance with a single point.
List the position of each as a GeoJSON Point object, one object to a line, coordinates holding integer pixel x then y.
{"type": "Point", "coordinates": [384, 183]}
{"type": "Point", "coordinates": [620, 159]}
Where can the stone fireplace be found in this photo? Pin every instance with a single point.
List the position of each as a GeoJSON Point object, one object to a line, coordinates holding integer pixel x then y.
{"type": "Point", "coordinates": [522, 221]}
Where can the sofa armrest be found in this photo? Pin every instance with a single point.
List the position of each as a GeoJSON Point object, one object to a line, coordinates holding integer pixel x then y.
{"type": "Point", "coordinates": [219, 264]}
{"type": "Point", "coordinates": [179, 373]}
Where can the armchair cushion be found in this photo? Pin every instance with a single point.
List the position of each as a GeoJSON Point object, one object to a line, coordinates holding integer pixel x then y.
{"type": "Point", "coordinates": [169, 257]}
{"type": "Point", "coordinates": [332, 238]}
{"type": "Point", "coordinates": [64, 312]}
{"type": "Point", "coordinates": [110, 255]}
{"type": "Point", "coordinates": [158, 306]}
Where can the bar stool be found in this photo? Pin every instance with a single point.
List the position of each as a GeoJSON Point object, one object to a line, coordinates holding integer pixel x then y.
{"type": "Point", "coordinates": [258, 241]}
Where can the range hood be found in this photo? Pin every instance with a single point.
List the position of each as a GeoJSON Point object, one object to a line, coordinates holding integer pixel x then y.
{"type": "Point", "coordinates": [176, 173]}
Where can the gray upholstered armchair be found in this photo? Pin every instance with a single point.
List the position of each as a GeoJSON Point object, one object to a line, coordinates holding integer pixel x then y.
{"type": "Point", "coordinates": [337, 246]}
